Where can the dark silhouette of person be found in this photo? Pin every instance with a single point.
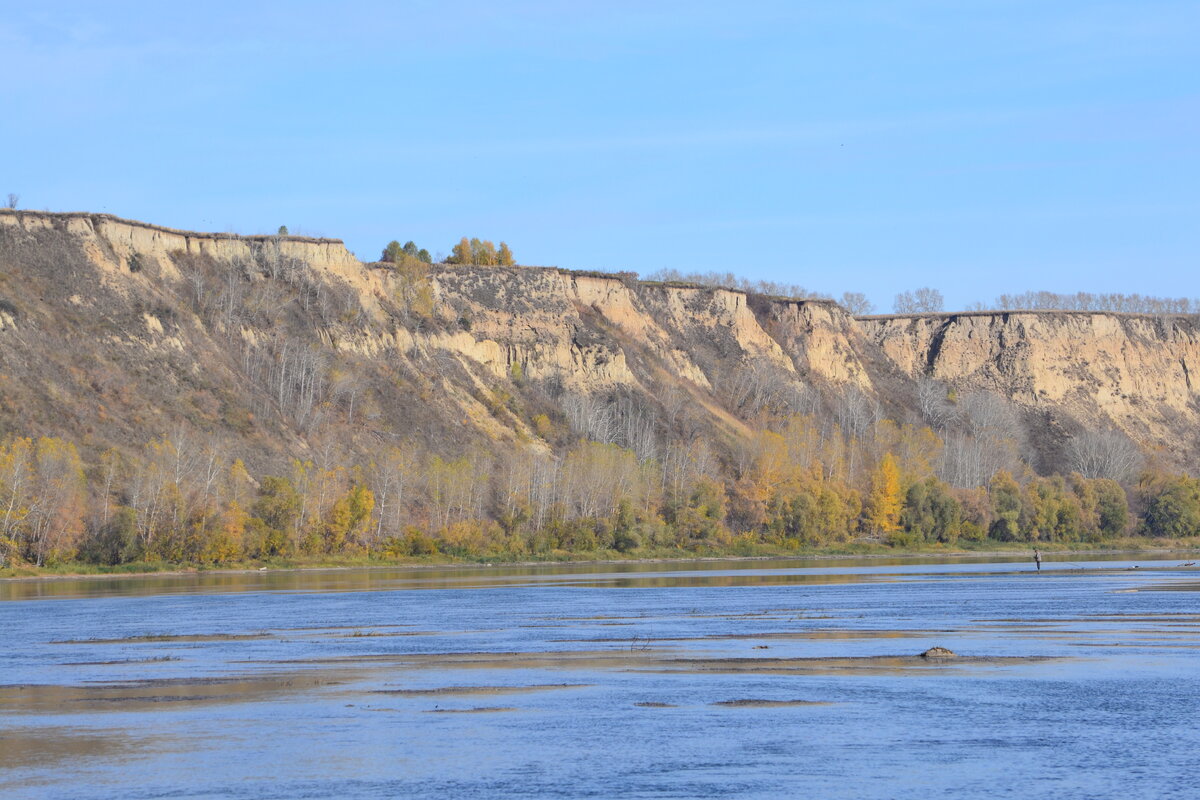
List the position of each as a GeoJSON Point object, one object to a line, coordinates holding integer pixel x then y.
{"type": "Point", "coordinates": [1037, 558]}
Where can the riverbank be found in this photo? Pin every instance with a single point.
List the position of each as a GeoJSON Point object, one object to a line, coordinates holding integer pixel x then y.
{"type": "Point", "coordinates": [1050, 552]}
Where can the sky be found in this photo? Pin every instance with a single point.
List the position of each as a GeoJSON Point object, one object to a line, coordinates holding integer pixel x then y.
{"type": "Point", "coordinates": [976, 147]}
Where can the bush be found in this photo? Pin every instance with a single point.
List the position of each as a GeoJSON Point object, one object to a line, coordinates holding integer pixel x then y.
{"type": "Point", "coordinates": [116, 542]}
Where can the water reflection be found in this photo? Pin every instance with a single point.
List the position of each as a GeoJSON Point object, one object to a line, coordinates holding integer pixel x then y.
{"type": "Point", "coordinates": [716, 572]}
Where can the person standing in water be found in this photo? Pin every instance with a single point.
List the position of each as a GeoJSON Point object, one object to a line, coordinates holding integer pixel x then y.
{"type": "Point", "coordinates": [1037, 558]}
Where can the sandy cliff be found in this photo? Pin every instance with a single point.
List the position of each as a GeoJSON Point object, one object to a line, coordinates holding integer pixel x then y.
{"type": "Point", "coordinates": [1132, 371]}
{"type": "Point", "coordinates": [112, 329]}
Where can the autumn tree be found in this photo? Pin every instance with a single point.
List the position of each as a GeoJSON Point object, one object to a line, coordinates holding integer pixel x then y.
{"type": "Point", "coordinates": [461, 253]}
{"type": "Point", "coordinates": [885, 501]}
{"type": "Point", "coordinates": [278, 508]}
{"type": "Point", "coordinates": [483, 253]}
{"type": "Point", "coordinates": [504, 257]}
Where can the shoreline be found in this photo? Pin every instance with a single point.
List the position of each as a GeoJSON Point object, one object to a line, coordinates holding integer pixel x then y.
{"type": "Point", "coordinates": [181, 571]}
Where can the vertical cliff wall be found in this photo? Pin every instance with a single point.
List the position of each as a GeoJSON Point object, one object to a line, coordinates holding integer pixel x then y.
{"type": "Point", "coordinates": [1133, 372]}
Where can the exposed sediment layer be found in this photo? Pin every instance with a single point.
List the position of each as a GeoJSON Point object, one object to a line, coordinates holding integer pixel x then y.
{"type": "Point", "coordinates": [125, 286]}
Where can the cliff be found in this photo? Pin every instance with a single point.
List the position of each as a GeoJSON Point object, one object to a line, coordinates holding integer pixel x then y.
{"type": "Point", "coordinates": [114, 332]}
{"type": "Point", "coordinates": [1086, 369]}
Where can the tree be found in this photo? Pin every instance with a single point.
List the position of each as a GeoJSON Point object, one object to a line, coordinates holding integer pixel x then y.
{"type": "Point", "coordinates": [116, 542]}
{"type": "Point", "coordinates": [1174, 509]}
{"type": "Point", "coordinates": [1051, 512]}
{"type": "Point", "coordinates": [505, 257]}
{"type": "Point", "coordinates": [933, 401]}
{"type": "Point", "coordinates": [393, 253]}
{"type": "Point", "coordinates": [1005, 494]}
{"type": "Point", "coordinates": [283, 230]}
{"type": "Point", "coordinates": [885, 501]}
{"type": "Point", "coordinates": [1112, 508]}
{"type": "Point", "coordinates": [423, 255]}
{"type": "Point", "coordinates": [1104, 454]}
{"type": "Point", "coordinates": [919, 301]}
{"type": "Point", "coordinates": [278, 507]}
{"type": "Point", "coordinates": [410, 249]}
{"type": "Point", "coordinates": [931, 513]}
{"type": "Point", "coordinates": [461, 253]}
{"type": "Point", "coordinates": [483, 253]}
{"type": "Point", "coordinates": [13, 199]}
{"type": "Point", "coordinates": [857, 304]}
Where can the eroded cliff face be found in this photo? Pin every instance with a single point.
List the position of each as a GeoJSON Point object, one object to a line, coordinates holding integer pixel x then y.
{"type": "Point", "coordinates": [1130, 371]}
{"type": "Point", "coordinates": [585, 329]}
{"type": "Point", "coordinates": [116, 331]}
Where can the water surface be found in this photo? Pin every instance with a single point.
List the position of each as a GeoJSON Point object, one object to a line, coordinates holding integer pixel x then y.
{"type": "Point", "coordinates": [748, 679]}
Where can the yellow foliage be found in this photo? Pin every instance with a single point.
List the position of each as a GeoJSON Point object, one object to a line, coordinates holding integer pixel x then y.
{"type": "Point", "coordinates": [885, 501]}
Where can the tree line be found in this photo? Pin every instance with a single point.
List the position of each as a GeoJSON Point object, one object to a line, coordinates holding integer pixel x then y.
{"type": "Point", "coordinates": [801, 480]}
{"type": "Point", "coordinates": [926, 300]}
{"type": "Point", "coordinates": [479, 252]}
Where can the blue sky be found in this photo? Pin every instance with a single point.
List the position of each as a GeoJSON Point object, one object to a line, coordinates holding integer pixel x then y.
{"type": "Point", "coordinates": [978, 147]}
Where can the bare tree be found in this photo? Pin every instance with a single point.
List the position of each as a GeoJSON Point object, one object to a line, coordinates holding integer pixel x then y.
{"type": "Point", "coordinates": [988, 438]}
{"type": "Point", "coordinates": [627, 421]}
{"type": "Point", "coordinates": [728, 280]}
{"type": "Point", "coordinates": [1104, 454]}
{"type": "Point", "coordinates": [761, 386]}
{"type": "Point", "coordinates": [1086, 301]}
{"type": "Point", "coordinates": [854, 412]}
{"type": "Point", "coordinates": [934, 403]}
{"type": "Point", "coordinates": [857, 304]}
{"type": "Point", "coordinates": [13, 199]}
{"type": "Point", "coordinates": [919, 301]}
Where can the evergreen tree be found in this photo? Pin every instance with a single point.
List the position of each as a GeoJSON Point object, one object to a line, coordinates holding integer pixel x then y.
{"type": "Point", "coordinates": [392, 253]}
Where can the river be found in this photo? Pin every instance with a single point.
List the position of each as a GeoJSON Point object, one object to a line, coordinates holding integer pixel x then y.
{"type": "Point", "coordinates": [690, 679]}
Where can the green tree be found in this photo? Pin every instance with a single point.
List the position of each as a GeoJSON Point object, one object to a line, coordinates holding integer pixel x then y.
{"type": "Point", "coordinates": [1051, 512]}
{"type": "Point", "coordinates": [1005, 494]}
{"type": "Point", "coordinates": [278, 506]}
{"type": "Point", "coordinates": [1174, 509]}
{"type": "Point", "coordinates": [1112, 507]}
{"type": "Point", "coordinates": [117, 540]}
{"type": "Point", "coordinates": [931, 513]}
{"type": "Point", "coordinates": [393, 253]}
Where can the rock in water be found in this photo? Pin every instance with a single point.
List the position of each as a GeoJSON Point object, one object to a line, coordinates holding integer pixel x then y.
{"type": "Point", "coordinates": [939, 652]}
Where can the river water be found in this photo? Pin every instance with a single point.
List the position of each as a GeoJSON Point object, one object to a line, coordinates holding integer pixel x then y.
{"type": "Point", "coordinates": [705, 679]}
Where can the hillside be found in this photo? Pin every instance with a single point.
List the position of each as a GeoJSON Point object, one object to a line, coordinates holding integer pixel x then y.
{"type": "Point", "coordinates": [115, 334]}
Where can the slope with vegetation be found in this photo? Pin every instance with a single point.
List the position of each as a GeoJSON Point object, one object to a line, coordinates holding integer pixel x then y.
{"type": "Point", "coordinates": [185, 397]}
